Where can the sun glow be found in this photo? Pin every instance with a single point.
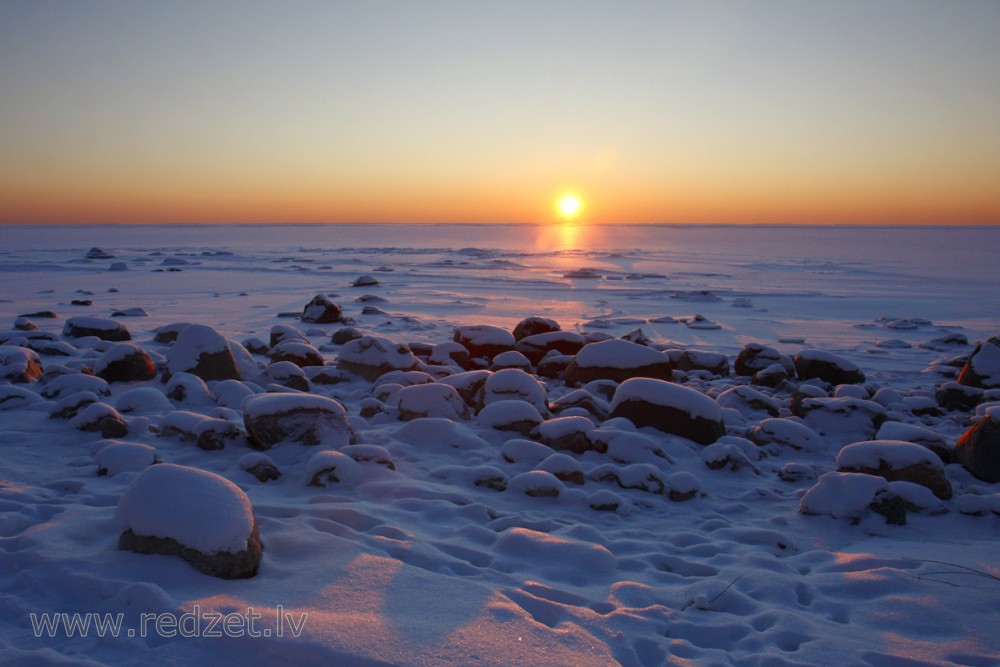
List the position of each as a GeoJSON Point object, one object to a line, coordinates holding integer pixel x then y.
{"type": "Point", "coordinates": [570, 206]}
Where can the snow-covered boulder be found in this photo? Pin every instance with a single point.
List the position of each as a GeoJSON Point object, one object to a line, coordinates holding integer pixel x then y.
{"type": "Point", "coordinates": [537, 346]}
{"type": "Point", "coordinates": [101, 327]}
{"type": "Point", "coordinates": [284, 373]}
{"type": "Point", "coordinates": [285, 332]}
{"type": "Point", "coordinates": [827, 367]}
{"type": "Point", "coordinates": [297, 352]}
{"type": "Point", "coordinates": [73, 383]}
{"type": "Point", "coordinates": [895, 460]}
{"type": "Point", "coordinates": [188, 388]}
{"type": "Point", "coordinates": [100, 418]}
{"type": "Point", "coordinates": [117, 457]}
{"type": "Point", "coordinates": [841, 420]}
{"type": "Point", "coordinates": [197, 515]}
{"type": "Point", "coordinates": [639, 476]}
{"type": "Point", "coordinates": [202, 351]}
{"type": "Point", "coordinates": [19, 364]}
{"type": "Point", "coordinates": [125, 362]}
{"type": "Point", "coordinates": [365, 281]}
{"type": "Point", "coordinates": [260, 466]}
{"type": "Point", "coordinates": [983, 367]}
{"type": "Point", "coordinates": [630, 447]}
{"type": "Point", "coordinates": [749, 402]}
{"type": "Point", "coordinates": [71, 405]}
{"type": "Point", "coordinates": [515, 384]}
{"type": "Point", "coordinates": [322, 310]}
{"type": "Point", "coordinates": [849, 495]}
{"type": "Point", "coordinates": [955, 396]}
{"type": "Point", "coordinates": [168, 332]}
{"type": "Point", "coordinates": [582, 400]}
{"type": "Point", "coordinates": [214, 434]}
{"type": "Point", "coordinates": [787, 433]}
{"type": "Point", "coordinates": [670, 408]}
{"type": "Point", "coordinates": [520, 450]}
{"type": "Point", "coordinates": [510, 415]}
{"type": "Point", "coordinates": [15, 398]}
{"type": "Point", "coordinates": [574, 434]}
{"type": "Point", "coordinates": [450, 354]}
{"type": "Point", "coordinates": [617, 360]}
{"type": "Point", "coordinates": [978, 450]}
{"type": "Point", "coordinates": [531, 326]}
{"type": "Point", "coordinates": [469, 386]}
{"type": "Point", "coordinates": [143, 401]}
{"type": "Point", "coordinates": [715, 363]}
{"type": "Point", "coordinates": [565, 468]}
{"type": "Point", "coordinates": [331, 467]}
{"type": "Point", "coordinates": [755, 357]}
{"type": "Point", "coordinates": [430, 400]}
{"type": "Point", "coordinates": [271, 419]}
{"type": "Point", "coordinates": [373, 356]}
{"type": "Point", "coordinates": [510, 359]}
{"type": "Point", "coordinates": [537, 484]}
{"type": "Point", "coordinates": [921, 435]}
{"type": "Point", "coordinates": [484, 340]}
{"type": "Point", "coordinates": [345, 335]}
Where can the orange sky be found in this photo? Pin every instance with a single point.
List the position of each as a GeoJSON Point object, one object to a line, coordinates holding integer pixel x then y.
{"type": "Point", "coordinates": [776, 112]}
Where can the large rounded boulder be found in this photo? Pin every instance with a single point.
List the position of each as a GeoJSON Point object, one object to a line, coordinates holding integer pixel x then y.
{"type": "Point", "coordinates": [196, 515]}
{"type": "Point", "coordinates": [484, 340]}
{"type": "Point", "coordinates": [271, 419]}
{"type": "Point", "coordinates": [827, 367]}
{"type": "Point", "coordinates": [125, 362]}
{"type": "Point", "coordinates": [617, 360]}
{"type": "Point", "coordinates": [101, 327]}
{"type": "Point", "coordinates": [895, 460]}
{"type": "Point", "coordinates": [202, 351]}
{"type": "Point", "coordinates": [669, 407]}
{"type": "Point", "coordinates": [373, 356]}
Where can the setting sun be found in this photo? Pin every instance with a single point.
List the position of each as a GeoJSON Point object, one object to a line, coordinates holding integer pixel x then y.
{"type": "Point", "coordinates": [570, 206]}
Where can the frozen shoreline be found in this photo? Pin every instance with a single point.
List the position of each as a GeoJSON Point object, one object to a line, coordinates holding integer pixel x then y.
{"type": "Point", "coordinates": [735, 576]}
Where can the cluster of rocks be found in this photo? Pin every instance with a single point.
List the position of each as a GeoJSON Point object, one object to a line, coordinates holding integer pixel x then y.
{"type": "Point", "coordinates": [259, 394]}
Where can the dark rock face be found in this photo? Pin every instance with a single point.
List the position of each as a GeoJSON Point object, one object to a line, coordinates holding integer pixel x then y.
{"type": "Point", "coordinates": [531, 326]}
{"type": "Point", "coordinates": [982, 370]}
{"type": "Point", "coordinates": [670, 420]}
{"type": "Point", "coordinates": [125, 365]}
{"type": "Point", "coordinates": [554, 366]}
{"type": "Point", "coordinates": [827, 367]}
{"type": "Point", "coordinates": [322, 311]}
{"type": "Point", "coordinates": [105, 329]}
{"type": "Point", "coordinates": [772, 376]}
{"type": "Point", "coordinates": [225, 565]}
{"type": "Point", "coordinates": [284, 332]}
{"type": "Point", "coordinates": [978, 450]}
{"type": "Point", "coordinates": [345, 335]}
{"type": "Point", "coordinates": [103, 419]}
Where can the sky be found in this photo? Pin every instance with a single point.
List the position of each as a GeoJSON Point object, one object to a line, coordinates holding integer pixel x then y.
{"type": "Point", "coordinates": [772, 111]}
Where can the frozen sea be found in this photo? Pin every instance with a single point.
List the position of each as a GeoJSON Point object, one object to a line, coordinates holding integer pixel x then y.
{"type": "Point", "coordinates": [419, 565]}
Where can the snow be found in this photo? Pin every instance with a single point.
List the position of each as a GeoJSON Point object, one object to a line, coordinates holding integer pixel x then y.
{"type": "Point", "coordinates": [842, 495]}
{"type": "Point", "coordinates": [199, 509]}
{"type": "Point", "coordinates": [893, 453]}
{"type": "Point", "coordinates": [667, 394]}
{"type": "Point", "coordinates": [617, 354]}
{"type": "Point", "coordinates": [434, 563]}
{"type": "Point", "coordinates": [192, 342]}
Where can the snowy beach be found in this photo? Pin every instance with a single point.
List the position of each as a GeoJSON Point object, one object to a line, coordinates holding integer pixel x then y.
{"type": "Point", "coordinates": [700, 451]}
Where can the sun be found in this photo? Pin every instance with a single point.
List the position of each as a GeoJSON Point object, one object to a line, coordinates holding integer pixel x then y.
{"type": "Point", "coordinates": [570, 206]}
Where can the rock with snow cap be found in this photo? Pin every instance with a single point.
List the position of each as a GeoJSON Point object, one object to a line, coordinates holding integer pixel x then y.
{"type": "Point", "coordinates": [670, 408]}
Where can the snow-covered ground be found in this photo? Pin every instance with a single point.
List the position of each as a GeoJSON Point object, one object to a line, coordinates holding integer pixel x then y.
{"type": "Point", "coordinates": [544, 530]}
